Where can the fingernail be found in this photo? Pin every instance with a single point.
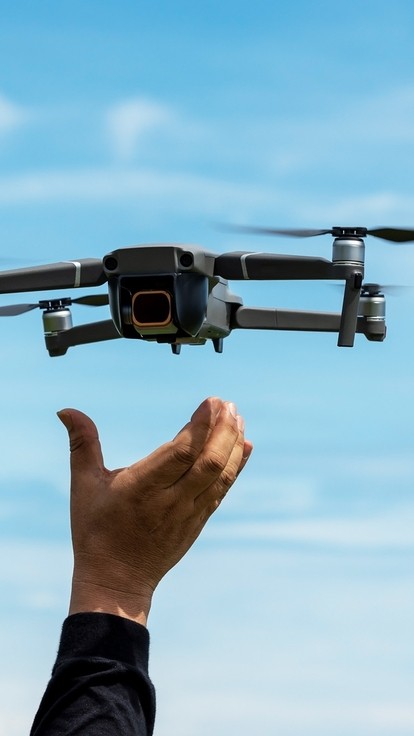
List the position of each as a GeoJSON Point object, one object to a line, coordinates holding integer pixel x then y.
{"type": "Point", "coordinates": [248, 449]}
{"type": "Point", "coordinates": [232, 409]}
{"type": "Point", "coordinates": [65, 418]}
{"type": "Point", "coordinates": [240, 423]}
{"type": "Point", "coordinates": [247, 454]}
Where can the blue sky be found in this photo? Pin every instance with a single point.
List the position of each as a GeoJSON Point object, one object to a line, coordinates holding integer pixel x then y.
{"type": "Point", "coordinates": [137, 122]}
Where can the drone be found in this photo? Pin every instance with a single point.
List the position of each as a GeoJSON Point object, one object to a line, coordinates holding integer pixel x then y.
{"type": "Point", "coordinates": [179, 294]}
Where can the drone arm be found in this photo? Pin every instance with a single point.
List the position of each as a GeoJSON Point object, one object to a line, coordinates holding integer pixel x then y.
{"type": "Point", "coordinates": [262, 266]}
{"type": "Point", "coordinates": [63, 275]}
{"type": "Point", "coordinates": [255, 318]}
{"type": "Point", "coordinates": [58, 343]}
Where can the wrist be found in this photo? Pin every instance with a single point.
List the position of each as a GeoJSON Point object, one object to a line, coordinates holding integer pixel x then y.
{"type": "Point", "coordinates": [90, 597]}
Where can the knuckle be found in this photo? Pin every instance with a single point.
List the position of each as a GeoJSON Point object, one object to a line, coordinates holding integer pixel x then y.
{"type": "Point", "coordinates": [184, 454]}
{"type": "Point", "coordinates": [214, 506]}
{"type": "Point", "coordinates": [76, 442]}
{"type": "Point", "coordinates": [215, 462]}
{"type": "Point", "coordinates": [227, 478]}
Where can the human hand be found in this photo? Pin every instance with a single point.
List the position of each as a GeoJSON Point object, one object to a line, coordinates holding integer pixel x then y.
{"type": "Point", "coordinates": [132, 525]}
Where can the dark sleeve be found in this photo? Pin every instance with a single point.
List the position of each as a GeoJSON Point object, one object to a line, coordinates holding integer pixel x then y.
{"type": "Point", "coordinates": [100, 683]}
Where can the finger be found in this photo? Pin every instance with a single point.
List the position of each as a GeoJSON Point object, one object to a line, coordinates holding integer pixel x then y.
{"type": "Point", "coordinates": [247, 451]}
{"type": "Point", "coordinates": [214, 458]}
{"type": "Point", "coordinates": [213, 405]}
{"type": "Point", "coordinates": [85, 447]}
{"type": "Point", "coordinates": [171, 461]}
{"type": "Point", "coordinates": [209, 501]}
{"type": "Point", "coordinates": [222, 483]}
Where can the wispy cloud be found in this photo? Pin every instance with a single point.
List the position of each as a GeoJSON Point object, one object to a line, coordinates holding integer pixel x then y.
{"type": "Point", "coordinates": [265, 153]}
{"type": "Point", "coordinates": [11, 115]}
{"type": "Point", "coordinates": [130, 120]}
{"type": "Point", "coordinates": [211, 194]}
{"type": "Point", "coordinates": [109, 184]}
{"type": "Point", "coordinates": [313, 716]}
{"type": "Point", "coordinates": [375, 130]}
{"type": "Point", "coordinates": [392, 530]}
{"type": "Point", "coordinates": [37, 573]}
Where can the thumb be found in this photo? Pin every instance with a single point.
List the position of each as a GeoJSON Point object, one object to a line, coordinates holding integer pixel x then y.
{"type": "Point", "coordinates": [85, 447]}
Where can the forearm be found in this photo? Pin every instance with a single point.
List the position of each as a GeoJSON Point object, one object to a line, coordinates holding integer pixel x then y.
{"type": "Point", "coordinates": [100, 683]}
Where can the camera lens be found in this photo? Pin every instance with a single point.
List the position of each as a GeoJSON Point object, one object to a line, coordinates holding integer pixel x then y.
{"type": "Point", "coordinates": [186, 260]}
{"type": "Point", "coordinates": [151, 309]}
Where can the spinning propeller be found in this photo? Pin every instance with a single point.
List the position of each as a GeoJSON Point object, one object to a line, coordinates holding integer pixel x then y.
{"type": "Point", "coordinates": [391, 234]}
{"type": "Point", "coordinates": [93, 300]}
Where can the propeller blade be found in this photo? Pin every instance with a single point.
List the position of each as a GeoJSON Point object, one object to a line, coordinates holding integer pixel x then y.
{"type": "Point", "coordinates": [291, 232]}
{"type": "Point", "coordinates": [374, 289]}
{"type": "Point", "coordinates": [12, 310]}
{"type": "Point", "coordinates": [393, 234]}
{"type": "Point", "coordinates": [93, 300]}
{"type": "Point", "coordinates": [371, 289]}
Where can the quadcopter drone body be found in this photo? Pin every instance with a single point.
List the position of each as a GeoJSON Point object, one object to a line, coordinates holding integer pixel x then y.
{"type": "Point", "coordinates": [178, 294]}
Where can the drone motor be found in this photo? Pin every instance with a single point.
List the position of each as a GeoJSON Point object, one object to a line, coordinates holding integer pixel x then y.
{"type": "Point", "coordinates": [372, 303]}
{"type": "Point", "coordinates": [56, 316]}
{"type": "Point", "coordinates": [348, 249]}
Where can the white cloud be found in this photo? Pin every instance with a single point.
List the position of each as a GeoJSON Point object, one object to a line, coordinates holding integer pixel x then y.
{"type": "Point", "coordinates": [211, 194]}
{"type": "Point", "coordinates": [11, 115]}
{"type": "Point", "coordinates": [372, 208]}
{"type": "Point", "coordinates": [37, 574]}
{"type": "Point", "coordinates": [372, 134]}
{"type": "Point", "coordinates": [392, 530]}
{"type": "Point", "coordinates": [163, 189]}
{"type": "Point", "coordinates": [130, 120]}
{"type": "Point", "coordinates": [385, 117]}
{"type": "Point", "coordinates": [14, 723]}
{"type": "Point", "coordinates": [235, 710]}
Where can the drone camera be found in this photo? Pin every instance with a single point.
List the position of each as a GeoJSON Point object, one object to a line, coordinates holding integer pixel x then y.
{"type": "Point", "coordinates": [159, 307]}
{"type": "Point", "coordinates": [151, 309]}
